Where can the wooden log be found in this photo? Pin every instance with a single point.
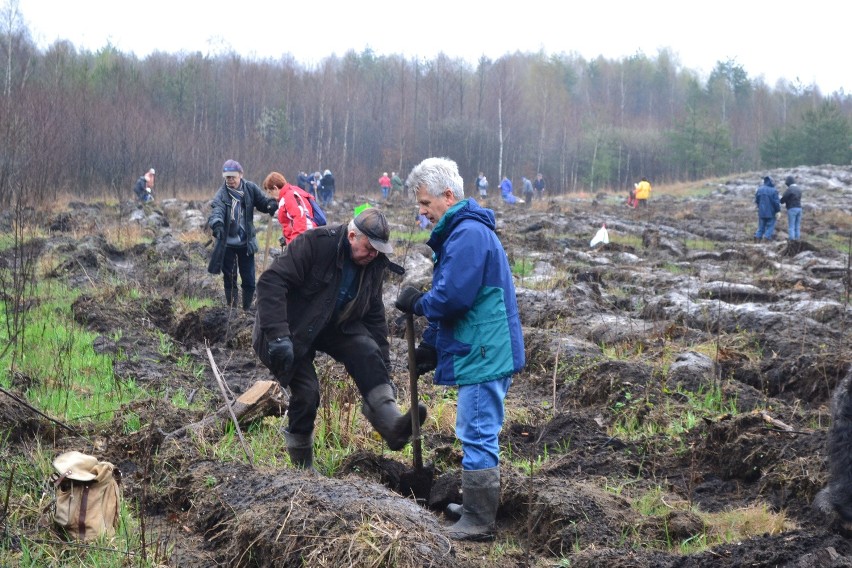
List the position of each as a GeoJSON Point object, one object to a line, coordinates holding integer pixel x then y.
{"type": "Point", "coordinates": [264, 398]}
{"type": "Point", "coordinates": [775, 422]}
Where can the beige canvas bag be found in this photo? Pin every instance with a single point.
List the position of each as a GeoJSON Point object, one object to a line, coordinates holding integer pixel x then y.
{"type": "Point", "coordinates": [88, 496]}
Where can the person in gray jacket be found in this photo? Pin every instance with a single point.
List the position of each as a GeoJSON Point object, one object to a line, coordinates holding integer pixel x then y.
{"type": "Point", "coordinates": [232, 223]}
{"type": "Point", "coordinates": [792, 198]}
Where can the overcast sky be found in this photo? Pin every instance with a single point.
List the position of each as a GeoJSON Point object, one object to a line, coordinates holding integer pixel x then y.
{"type": "Point", "coordinates": [806, 41]}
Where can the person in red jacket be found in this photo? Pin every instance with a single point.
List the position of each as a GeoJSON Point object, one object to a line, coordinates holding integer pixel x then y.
{"type": "Point", "coordinates": [295, 206]}
{"type": "Point", "coordinates": [385, 184]}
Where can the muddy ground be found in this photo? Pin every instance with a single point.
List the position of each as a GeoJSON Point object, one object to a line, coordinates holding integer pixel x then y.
{"type": "Point", "coordinates": [615, 332]}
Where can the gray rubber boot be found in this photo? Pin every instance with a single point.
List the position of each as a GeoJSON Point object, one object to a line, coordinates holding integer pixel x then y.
{"type": "Point", "coordinates": [481, 497]}
{"type": "Point", "coordinates": [301, 450]}
{"type": "Point", "coordinates": [380, 409]}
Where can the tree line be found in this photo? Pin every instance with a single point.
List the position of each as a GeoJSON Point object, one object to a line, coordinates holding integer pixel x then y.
{"type": "Point", "coordinates": [90, 123]}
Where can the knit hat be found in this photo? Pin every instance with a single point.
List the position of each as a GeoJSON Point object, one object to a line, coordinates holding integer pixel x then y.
{"type": "Point", "coordinates": [768, 181]}
{"type": "Point", "coordinates": [231, 168]}
{"type": "Point", "coordinates": [790, 180]}
{"type": "Point", "coordinates": [151, 171]}
{"type": "Point", "coordinates": [372, 223]}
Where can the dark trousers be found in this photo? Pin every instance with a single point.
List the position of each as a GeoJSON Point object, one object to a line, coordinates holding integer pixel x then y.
{"type": "Point", "coordinates": [361, 356]}
{"type": "Point", "coordinates": [237, 258]}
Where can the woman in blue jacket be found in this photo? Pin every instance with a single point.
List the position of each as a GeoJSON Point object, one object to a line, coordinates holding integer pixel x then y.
{"type": "Point", "coordinates": [474, 339]}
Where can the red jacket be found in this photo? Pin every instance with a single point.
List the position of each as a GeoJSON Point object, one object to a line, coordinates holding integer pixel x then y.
{"type": "Point", "coordinates": [384, 181]}
{"type": "Point", "coordinates": [295, 211]}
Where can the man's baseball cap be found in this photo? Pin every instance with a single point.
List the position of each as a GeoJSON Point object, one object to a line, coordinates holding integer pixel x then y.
{"type": "Point", "coordinates": [372, 223]}
{"type": "Point", "coordinates": [231, 168]}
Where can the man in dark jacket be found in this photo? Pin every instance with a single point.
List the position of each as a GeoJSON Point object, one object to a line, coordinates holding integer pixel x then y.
{"type": "Point", "coordinates": [144, 185]}
{"type": "Point", "coordinates": [539, 184]}
{"type": "Point", "coordinates": [326, 188]}
{"type": "Point", "coordinates": [232, 223]}
{"type": "Point", "coordinates": [474, 340]}
{"type": "Point", "coordinates": [792, 198]}
{"type": "Point", "coordinates": [768, 205]}
{"type": "Point", "coordinates": [324, 293]}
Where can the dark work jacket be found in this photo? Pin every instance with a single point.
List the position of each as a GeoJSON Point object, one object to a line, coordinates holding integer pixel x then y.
{"type": "Point", "coordinates": [296, 295]}
{"type": "Point", "coordinates": [253, 198]}
{"type": "Point", "coordinates": [792, 198]}
{"type": "Point", "coordinates": [140, 186]}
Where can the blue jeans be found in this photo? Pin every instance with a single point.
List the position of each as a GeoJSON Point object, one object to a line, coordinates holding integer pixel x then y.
{"type": "Point", "coordinates": [385, 191]}
{"type": "Point", "coordinates": [479, 419]}
{"type": "Point", "coordinates": [765, 227]}
{"type": "Point", "coordinates": [794, 223]}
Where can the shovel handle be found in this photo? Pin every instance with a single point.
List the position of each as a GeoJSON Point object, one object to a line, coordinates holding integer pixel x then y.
{"type": "Point", "coordinates": [413, 377]}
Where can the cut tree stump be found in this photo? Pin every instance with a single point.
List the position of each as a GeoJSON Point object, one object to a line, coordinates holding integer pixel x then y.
{"type": "Point", "coordinates": [264, 398]}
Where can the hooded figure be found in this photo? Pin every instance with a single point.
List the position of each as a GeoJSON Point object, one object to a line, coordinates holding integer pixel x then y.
{"type": "Point", "coordinates": [792, 198]}
{"type": "Point", "coordinates": [768, 205]}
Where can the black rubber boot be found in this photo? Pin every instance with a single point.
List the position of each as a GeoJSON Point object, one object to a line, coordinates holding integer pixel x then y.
{"type": "Point", "coordinates": [231, 297]}
{"type": "Point", "coordinates": [248, 298]}
{"type": "Point", "coordinates": [301, 450]}
{"type": "Point", "coordinates": [480, 497]}
{"type": "Point", "coordinates": [380, 409]}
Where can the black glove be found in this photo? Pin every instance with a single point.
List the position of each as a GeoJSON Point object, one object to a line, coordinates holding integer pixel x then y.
{"type": "Point", "coordinates": [280, 352]}
{"type": "Point", "coordinates": [272, 208]}
{"type": "Point", "coordinates": [426, 358]}
{"type": "Point", "coordinates": [407, 299]}
{"type": "Point", "coordinates": [218, 231]}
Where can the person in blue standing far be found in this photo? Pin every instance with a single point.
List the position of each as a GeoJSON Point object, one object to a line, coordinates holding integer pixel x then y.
{"type": "Point", "coordinates": [474, 338]}
{"type": "Point", "coordinates": [792, 198]}
{"type": "Point", "coordinates": [506, 191]}
{"type": "Point", "coordinates": [768, 205]}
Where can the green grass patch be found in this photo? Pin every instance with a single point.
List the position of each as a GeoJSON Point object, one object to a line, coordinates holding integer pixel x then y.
{"type": "Point", "coordinates": [701, 244]}
{"type": "Point", "coordinates": [415, 235]}
{"type": "Point", "coordinates": [630, 240]}
{"type": "Point", "coordinates": [522, 267]}
{"type": "Point", "coordinates": [712, 529]}
{"type": "Point", "coordinates": [67, 378]}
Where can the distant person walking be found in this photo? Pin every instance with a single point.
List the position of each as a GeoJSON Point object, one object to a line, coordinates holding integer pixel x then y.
{"type": "Point", "coordinates": [643, 192]}
{"type": "Point", "coordinates": [768, 205]}
{"type": "Point", "coordinates": [792, 199]}
{"type": "Point", "coordinates": [143, 188]}
{"type": "Point", "coordinates": [326, 188]}
{"type": "Point", "coordinates": [385, 184]}
{"type": "Point", "coordinates": [528, 192]}
{"type": "Point", "coordinates": [539, 184]}
{"type": "Point", "coordinates": [314, 183]}
{"type": "Point", "coordinates": [303, 181]}
{"type": "Point", "coordinates": [396, 186]}
{"type": "Point", "coordinates": [482, 185]}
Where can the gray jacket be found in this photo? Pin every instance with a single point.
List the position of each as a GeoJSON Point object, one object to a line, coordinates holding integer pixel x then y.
{"type": "Point", "coordinates": [253, 198]}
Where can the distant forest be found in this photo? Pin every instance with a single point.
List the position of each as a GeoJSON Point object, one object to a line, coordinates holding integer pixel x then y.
{"type": "Point", "coordinates": [90, 123]}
